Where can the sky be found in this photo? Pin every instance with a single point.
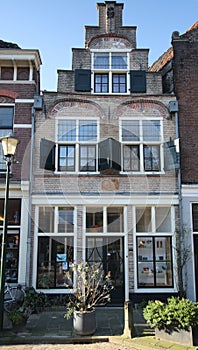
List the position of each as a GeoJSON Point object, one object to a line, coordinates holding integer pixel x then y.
{"type": "Point", "coordinates": [55, 27]}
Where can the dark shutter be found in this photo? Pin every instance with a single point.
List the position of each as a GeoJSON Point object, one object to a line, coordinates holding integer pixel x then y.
{"type": "Point", "coordinates": [6, 117]}
{"type": "Point", "coordinates": [47, 155]}
{"type": "Point", "coordinates": [138, 81]}
{"type": "Point", "coordinates": [171, 157]}
{"type": "Point", "coordinates": [109, 154]}
{"type": "Point", "coordinates": [82, 80]}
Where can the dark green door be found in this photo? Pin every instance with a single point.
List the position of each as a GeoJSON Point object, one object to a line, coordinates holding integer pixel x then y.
{"type": "Point", "coordinates": [109, 252]}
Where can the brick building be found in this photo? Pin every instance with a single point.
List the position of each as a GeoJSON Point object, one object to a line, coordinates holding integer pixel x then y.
{"type": "Point", "coordinates": [104, 188]}
{"type": "Point", "coordinates": [179, 69]}
{"type": "Point", "coordinates": [19, 83]}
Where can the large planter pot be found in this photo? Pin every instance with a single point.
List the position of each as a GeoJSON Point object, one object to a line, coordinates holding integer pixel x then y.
{"type": "Point", "coordinates": [179, 336]}
{"type": "Point", "coordinates": [84, 323]}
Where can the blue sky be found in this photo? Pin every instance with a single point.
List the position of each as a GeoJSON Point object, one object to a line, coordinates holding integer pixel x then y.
{"type": "Point", "coordinates": [54, 27]}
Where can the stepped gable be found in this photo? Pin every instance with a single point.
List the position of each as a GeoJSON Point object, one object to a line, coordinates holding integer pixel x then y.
{"type": "Point", "coordinates": [7, 45]}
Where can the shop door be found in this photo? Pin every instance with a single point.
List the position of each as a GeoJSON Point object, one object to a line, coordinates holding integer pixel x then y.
{"type": "Point", "coordinates": [109, 252]}
{"type": "Point", "coordinates": [196, 263]}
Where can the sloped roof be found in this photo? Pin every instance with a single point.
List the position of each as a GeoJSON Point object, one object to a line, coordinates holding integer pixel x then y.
{"type": "Point", "coordinates": [168, 55]}
{"type": "Point", "coordinates": [7, 45]}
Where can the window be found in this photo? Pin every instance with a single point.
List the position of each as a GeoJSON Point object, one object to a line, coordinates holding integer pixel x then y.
{"type": "Point", "coordinates": [13, 238]}
{"type": "Point", "coordinates": [77, 145]}
{"type": "Point", "coordinates": [55, 247]}
{"type": "Point", "coordinates": [110, 72]}
{"type": "Point", "coordinates": [98, 216]}
{"type": "Point", "coordinates": [154, 247]}
{"type": "Point", "coordinates": [6, 128]}
{"type": "Point", "coordinates": [141, 144]}
{"type": "Point", "coordinates": [195, 217]}
{"type": "Point", "coordinates": [55, 257]}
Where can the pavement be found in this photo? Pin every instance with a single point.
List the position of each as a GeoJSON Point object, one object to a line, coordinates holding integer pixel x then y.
{"type": "Point", "coordinates": [50, 327]}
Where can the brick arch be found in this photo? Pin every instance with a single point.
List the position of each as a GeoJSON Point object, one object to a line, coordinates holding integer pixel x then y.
{"type": "Point", "coordinates": [142, 105]}
{"type": "Point", "coordinates": [109, 35]}
{"type": "Point", "coordinates": [11, 94]}
{"type": "Point", "coordinates": [73, 102]}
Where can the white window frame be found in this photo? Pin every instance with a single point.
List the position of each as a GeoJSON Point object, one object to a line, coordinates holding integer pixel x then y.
{"type": "Point", "coordinates": [110, 72]}
{"type": "Point", "coordinates": [77, 144]}
{"type": "Point", "coordinates": [153, 233]}
{"type": "Point", "coordinates": [141, 144]}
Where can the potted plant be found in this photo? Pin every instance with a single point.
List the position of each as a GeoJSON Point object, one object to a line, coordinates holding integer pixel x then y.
{"type": "Point", "coordinates": [19, 317]}
{"type": "Point", "coordinates": [91, 288]}
{"type": "Point", "coordinates": [174, 320]}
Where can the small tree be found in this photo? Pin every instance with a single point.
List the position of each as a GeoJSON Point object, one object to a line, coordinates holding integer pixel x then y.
{"type": "Point", "coordinates": [92, 287]}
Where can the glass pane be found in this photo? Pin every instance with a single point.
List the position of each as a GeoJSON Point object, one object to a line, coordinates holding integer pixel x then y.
{"type": "Point", "coordinates": [131, 158]}
{"type": "Point", "coordinates": [195, 217]}
{"type": "Point", "coordinates": [46, 219]}
{"type": "Point", "coordinates": [145, 274]}
{"type": "Point", "coordinates": [101, 61]}
{"type": "Point", "coordinates": [66, 161]}
{"type": "Point", "coordinates": [101, 83]}
{"type": "Point", "coordinates": [94, 219]}
{"type": "Point", "coordinates": [87, 158]}
{"type": "Point", "coordinates": [6, 118]}
{"type": "Point", "coordinates": [119, 61]}
{"type": "Point", "coordinates": [12, 255]}
{"type": "Point", "coordinates": [151, 158]}
{"type": "Point", "coordinates": [119, 83]}
{"type": "Point", "coordinates": [130, 130]}
{"type": "Point", "coordinates": [55, 258]}
{"type": "Point", "coordinates": [143, 219]}
{"type": "Point", "coordinates": [67, 130]}
{"type": "Point", "coordinates": [65, 219]}
{"type": "Point", "coordinates": [163, 219]}
{"type": "Point", "coordinates": [87, 130]}
{"type": "Point", "coordinates": [14, 212]}
{"type": "Point", "coordinates": [164, 275]}
{"type": "Point", "coordinates": [151, 130]}
{"type": "Point", "coordinates": [115, 220]}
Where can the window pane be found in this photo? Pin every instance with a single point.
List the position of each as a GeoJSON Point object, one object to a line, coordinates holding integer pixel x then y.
{"type": "Point", "coordinates": [6, 118]}
{"type": "Point", "coordinates": [163, 257]}
{"type": "Point", "coordinates": [101, 61]}
{"type": "Point", "coordinates": [14, 212]}
{"type": "Point", "coordinates": [195, 217]}
{"type": "Point", "coordinates": [163, 219]}
{"type": "Point", "coordinates": [101, 83]}
{"type": "Point", "coordinates": [131, 158]}
{"type": "Point", "coordinates": [46, 219]}
{"type": "Point", "coordinates": [55, 257]}
{"type": "Point", "coordinates": [87, 130]}
{"type": "Point", "coordinates": [130, 130]}
{"type": "Point", "coordinates": [67, 130]}
{"type": "Point", "coordinates": [65, 219]}
{"type": "Point", "coordinates": [119, 61]}
{"type": "Point", "coordinates": [143, 219]}
{"type": "Point", "coordinates": [66, 158]}
{"type": "Point", "coordinates": [94, 220]}
{"type": "Point", "coordinates": [119, 83]}
{"type": "Point", "coordinates": [87, 158]}
{"type": "Point", "coordinates": [12, 255]}
{"type": "Point", "coordinates": [151, 130]}
{"type": "Point", "coordinates": [151, 158]}
{"type": "Point", "coordinates": [115, 220]}
{"type": "Point", "coordinates": [145, 262]}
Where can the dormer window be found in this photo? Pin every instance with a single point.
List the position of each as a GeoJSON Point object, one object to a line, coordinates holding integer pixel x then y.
{"type": "Point", "coordinates": [110, 72]}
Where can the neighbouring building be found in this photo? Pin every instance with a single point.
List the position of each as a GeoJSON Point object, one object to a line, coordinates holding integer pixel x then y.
{"type": "Point", "coordinates": [19, 84]}
{"type": "Point", "coordinates": [105, 184]}
{"type": "Point", "coordinates": [179, 69]}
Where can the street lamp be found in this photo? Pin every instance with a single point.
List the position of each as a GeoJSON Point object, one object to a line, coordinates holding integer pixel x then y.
{"type": "Point", "coordinates": [9, 144]}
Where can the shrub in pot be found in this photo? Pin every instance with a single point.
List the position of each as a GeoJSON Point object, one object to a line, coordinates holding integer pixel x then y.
{"type": "Point", "coordinates": [91, 288]}
{"type": "Point", "coordinates": [175, 315]}
{"type": "Point", "coordinates": [19, 317]}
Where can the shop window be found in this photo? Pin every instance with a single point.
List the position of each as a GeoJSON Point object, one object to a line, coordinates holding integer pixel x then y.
{"type": "Point", "coordinates": [154, 262]}
{"type": "Point", "coordinates": [54, 263]}
{"type": "Point", "coordinates": [195, 217]}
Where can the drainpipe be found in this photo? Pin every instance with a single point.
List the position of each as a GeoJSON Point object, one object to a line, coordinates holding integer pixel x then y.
{"type": "Point", "coordinates": [30, 205]}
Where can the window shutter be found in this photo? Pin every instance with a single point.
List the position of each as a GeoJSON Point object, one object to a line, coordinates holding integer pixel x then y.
{"type": "Point", "coordinates": [109, 155]}
{"type": "Point", "coordinates": [171, 157]}
{"type": "Point", "coordinates": [47, 155]}
{"type": "Point", "coordinates": [138, 81]}
{"type": "Point", "coordinates": [82, 80]}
